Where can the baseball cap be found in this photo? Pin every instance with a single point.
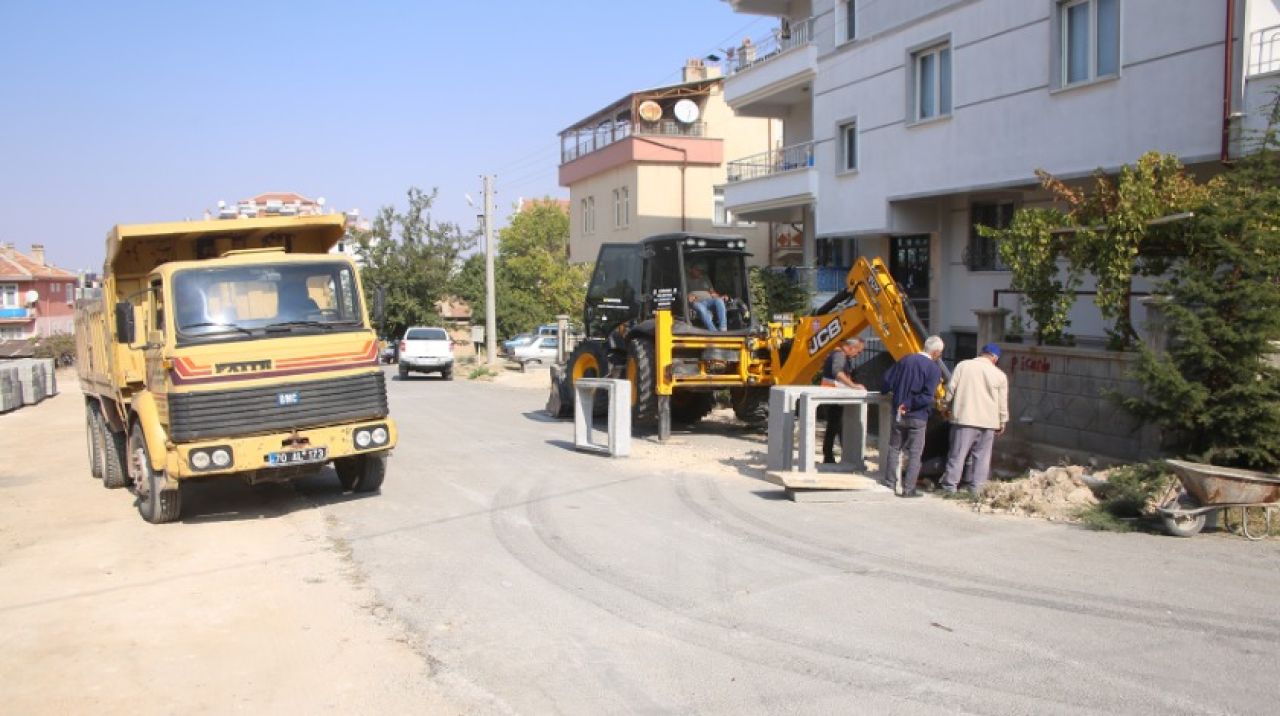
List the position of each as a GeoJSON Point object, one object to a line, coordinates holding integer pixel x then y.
{"type": "Point", "coordinates": [992, 348]}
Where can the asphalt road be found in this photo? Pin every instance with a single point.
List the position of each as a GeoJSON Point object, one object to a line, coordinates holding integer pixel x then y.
{"type": "Point", "coordinates": [541, 580]}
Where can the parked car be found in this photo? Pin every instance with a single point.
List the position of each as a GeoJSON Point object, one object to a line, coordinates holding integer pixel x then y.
{"type": "Point", "coordinates": [390, 350]}
{"type": "Point", "coordinates": [426, 350]}
{"type": "Point", "coordinates": [517, 340]}
{"type": "Point", "coordinates": [542, 349]}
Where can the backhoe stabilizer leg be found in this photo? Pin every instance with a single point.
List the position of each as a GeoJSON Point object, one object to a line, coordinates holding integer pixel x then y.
{"type": "Point", "coordinates": [664, 417]}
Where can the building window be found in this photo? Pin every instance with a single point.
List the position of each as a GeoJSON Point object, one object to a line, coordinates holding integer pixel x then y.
{"type": "Point", "coordinates": [621, 208]}
{"type": "Point", "coordinates": [9, 295]}
{"type": "Point", "coordinates": [589, 215]}
{"type": "Point", "coordinates": [849, 146]}
{"type": "Point", "coordinates": [983, 253]}
{"type": "Point", "coordinates": [931, 80]}
{"type": "Point", "coordinates": [848, 20]}
{"type": "Point", "coordinates": [1089, 40]}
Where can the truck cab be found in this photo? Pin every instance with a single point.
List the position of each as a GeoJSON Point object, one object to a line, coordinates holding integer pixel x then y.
{"type": "Point", "coordinates": [231, 348]}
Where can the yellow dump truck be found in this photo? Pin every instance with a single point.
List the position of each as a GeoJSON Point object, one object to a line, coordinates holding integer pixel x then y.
{"type": "Point", "coordinates": [230, 348]}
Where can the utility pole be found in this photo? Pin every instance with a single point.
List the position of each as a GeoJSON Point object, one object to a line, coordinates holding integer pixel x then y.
{"type": "Point", "coordinates": [490, 308]}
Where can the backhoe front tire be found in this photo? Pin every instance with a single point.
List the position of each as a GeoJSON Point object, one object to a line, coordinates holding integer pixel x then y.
{"type": "Point", "coordinates": [642, 372]}
{"type": "Point", "coordinates": [588, 360]}
{"type": "Point", "coordinates": [112, 456]}
{"type": "Point", "coordinates": [751, 405]}
{"type": "Point", "coordinates": [689, 407]}
{"type": "Point", "coordinates": [158, 501]}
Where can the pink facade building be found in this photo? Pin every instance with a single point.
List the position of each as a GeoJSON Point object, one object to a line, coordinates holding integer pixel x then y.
{"type": "Point", "coordinates": [36, 299]}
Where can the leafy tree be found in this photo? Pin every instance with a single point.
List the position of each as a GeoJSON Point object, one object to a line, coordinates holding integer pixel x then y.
{"type": "Point", "coordinates": [1106, 231]}
{"type": "Point", "coordinates": [774, 292]}
{"type": "Point", "coordinates": [534, 280]}
{"type": "Point", "coordinates": [412, 258]}
{"type": "Point", "coordinates": [1216, 392]}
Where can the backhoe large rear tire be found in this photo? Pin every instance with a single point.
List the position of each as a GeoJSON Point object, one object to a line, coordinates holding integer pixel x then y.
{"type": "Point", "coordinates": [751, 405]}
{"type": "Point", "coordinates": [642, 372]}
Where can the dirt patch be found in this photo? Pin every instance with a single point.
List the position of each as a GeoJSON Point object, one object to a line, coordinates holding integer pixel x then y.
{"type": "Point", "coordinates": [1058, 494]}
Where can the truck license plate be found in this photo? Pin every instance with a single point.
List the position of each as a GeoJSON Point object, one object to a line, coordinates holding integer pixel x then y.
{"type": "Point", "coordinates": [297, 457]}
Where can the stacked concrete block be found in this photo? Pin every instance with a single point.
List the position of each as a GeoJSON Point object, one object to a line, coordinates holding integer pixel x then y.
{"type": "Point", "coordinates": [10, 389]}
{"type": "Point", "coordinates": [25, 382]}
{"type": "Point", "coordinates": [618, 438]}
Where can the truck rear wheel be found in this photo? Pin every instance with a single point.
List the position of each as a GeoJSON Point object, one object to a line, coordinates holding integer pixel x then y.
{"type": "Point", "coordinates": [361, 473]}
{"type": "Point", "coordinates": [157, 501]}
{"type": "Point", "coordinates": [641, 371]}
{"type": "Point", "coordinates": [111, 453]}
{"type": "Point", "coordinates": [93, 436]}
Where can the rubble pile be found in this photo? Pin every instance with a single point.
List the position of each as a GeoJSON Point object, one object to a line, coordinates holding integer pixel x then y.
{"type": "Point", "coordinates": [1058, 494]}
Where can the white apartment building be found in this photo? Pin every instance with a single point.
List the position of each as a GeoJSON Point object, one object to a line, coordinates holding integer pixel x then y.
{"type": "Point", "coordinates": [908, 121]}
{"type": "Point", "coordinates": [653, 162]}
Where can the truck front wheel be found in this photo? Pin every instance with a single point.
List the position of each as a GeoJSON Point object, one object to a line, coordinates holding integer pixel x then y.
{"type": "Point", "coordinates": [361, 473]}
{"type": "Point", "coordinates": [158, 502]}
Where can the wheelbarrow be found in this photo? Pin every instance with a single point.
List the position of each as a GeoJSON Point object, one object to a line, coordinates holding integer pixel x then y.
{"type": "Point", "coordinates": [1209, 488]}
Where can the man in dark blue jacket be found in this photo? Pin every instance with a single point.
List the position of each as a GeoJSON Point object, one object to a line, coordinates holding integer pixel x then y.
{"type": "Point", "coordinates": [914, 383]}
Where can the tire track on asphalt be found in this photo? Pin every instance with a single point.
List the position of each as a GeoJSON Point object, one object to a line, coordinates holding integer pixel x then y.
{"type": "Point", "coordinates": [757, 644]}
{"type": "Point", "coordinates": [765, 533]}
{"type": "Point", "coordinates": [769, 535]}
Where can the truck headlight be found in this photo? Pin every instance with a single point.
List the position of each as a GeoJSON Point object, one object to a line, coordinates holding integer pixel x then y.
{"type": "Point", "coordinates": [363, 438]}
{"type": "Point", "coordinates": [200, 459]}
{"type": "Point", "coordinates": [221, 456]}
{"type": "Point", "coordinates": [380, 435]}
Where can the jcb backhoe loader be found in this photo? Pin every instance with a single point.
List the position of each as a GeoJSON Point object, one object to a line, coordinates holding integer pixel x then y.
{"type": "Point", "coordinates": [641, 325]}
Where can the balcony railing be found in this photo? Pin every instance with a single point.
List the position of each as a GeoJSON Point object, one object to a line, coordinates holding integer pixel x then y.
{"type": "Point", "coordinates": [1264, 51]}
{"type": "Point", "coordinates": [585, 141]}
{"type": "Point", "coordinates": [796, 156]}
{"type": "Point", "coordinates": [8, 312]}
{"type": "Point", "coordinates": [751, 53]}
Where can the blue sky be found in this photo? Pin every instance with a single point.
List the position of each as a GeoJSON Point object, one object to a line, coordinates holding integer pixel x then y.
{"type": "Point", "coordinates": [139, 111]}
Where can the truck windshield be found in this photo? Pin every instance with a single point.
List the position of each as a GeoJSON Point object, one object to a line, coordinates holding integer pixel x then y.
{"type": "Point", "coordinates": [244, 302]}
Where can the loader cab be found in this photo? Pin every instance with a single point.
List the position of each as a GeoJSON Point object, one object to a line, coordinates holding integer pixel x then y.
{"type": "Point", "coordinates": [627, 276]}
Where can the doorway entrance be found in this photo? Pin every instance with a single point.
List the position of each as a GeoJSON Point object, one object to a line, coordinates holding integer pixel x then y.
{"type": "Point", "coordinates": [909, 266]}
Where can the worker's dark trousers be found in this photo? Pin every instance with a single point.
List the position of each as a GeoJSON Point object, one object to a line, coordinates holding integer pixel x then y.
{"type": "Point", "coordinates": [835, 426]}
{"type": "Point", "coordinates": [907, 436]}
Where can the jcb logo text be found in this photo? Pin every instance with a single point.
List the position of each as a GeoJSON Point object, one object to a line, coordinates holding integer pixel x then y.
{"type": "Point", "coordinates": [824, 336]}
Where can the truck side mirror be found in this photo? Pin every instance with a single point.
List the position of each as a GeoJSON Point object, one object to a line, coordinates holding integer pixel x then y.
{"type": "Point", "coordinates": [124, 323]}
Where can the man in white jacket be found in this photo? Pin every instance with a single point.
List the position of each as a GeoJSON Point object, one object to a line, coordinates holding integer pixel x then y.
{"type": "Point", "coordinates": [979, 395]}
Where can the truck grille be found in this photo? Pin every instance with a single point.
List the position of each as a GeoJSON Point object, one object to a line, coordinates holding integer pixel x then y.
{"type": "Point", "coordinates": [248, 411]}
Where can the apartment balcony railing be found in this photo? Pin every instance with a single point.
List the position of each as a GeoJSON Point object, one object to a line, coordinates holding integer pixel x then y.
{"type": "Point", "coordinates": [577, 144]}
{"type": "Point", "coordinates": [15, 313]}
{"type": "Point", "coordinates": [796, 156]}
{"type": "Point", "coordinates": [1264, 51]}
{"type": "Point", "coordinates": [751, 53]}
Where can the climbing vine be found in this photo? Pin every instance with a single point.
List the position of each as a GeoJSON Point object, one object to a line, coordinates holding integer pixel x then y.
{"type": "Point", "coordinates": [1111, 228]}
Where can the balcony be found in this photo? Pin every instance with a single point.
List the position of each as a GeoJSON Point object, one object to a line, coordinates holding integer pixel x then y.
{"type": "Point", "coordinates": [781, 179]}
{"type": "Point", "coordinates": [16, 314]}
{"type": "Point", "coordinates": [768, 75]}
{"type": "Point", "coordinates": [586, 141]}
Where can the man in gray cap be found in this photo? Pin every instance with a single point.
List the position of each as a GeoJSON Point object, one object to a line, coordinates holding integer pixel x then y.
{"type": "Point", "coordinates": [979, 397]}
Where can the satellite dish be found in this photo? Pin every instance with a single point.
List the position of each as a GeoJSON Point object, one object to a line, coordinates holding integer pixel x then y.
{"type": "Point", "coordinates": [686, 110]}
{"type": "Point", "coordinates": [319, 202]}
{"type": "Point", "coordinates": [32, 296]}
{"type": "Point", "coordinates": [650, 111]}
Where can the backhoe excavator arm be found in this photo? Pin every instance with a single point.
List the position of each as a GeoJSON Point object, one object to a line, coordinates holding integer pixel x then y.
{"type": "Point", "coordinates": [870, 299]}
